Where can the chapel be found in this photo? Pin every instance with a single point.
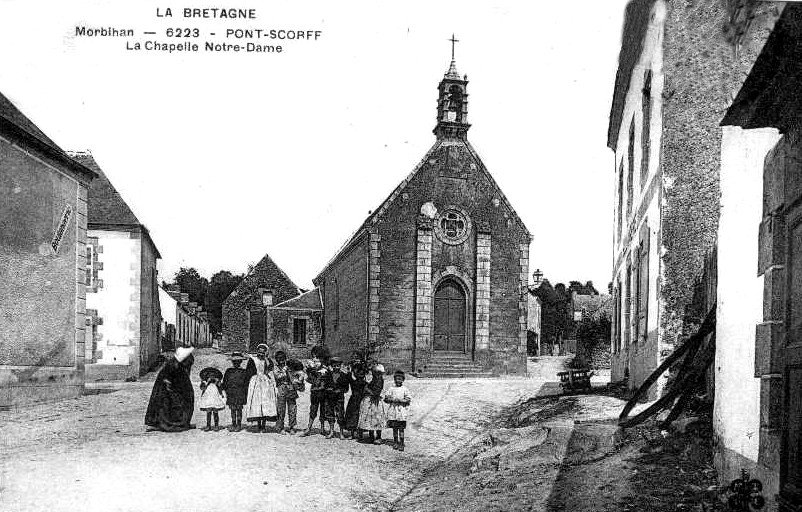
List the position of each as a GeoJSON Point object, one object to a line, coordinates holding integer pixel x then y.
{"type": "Point", "coordinates": [435, 280]}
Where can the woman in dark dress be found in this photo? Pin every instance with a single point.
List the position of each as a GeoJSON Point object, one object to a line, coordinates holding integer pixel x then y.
{"type": "Point", "coordinates": [172, 401]}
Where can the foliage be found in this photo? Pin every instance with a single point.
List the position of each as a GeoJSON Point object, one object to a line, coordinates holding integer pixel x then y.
{"type": "Point", "coordinates": [220, 286]}
{"type": "Point", "coordinates": [210, 294]}
{"type": "Point", "coordinates": [189, 281]}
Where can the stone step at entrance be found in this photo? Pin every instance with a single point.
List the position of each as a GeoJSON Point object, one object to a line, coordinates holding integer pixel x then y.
{"type": "Point", "coordinates": [452, 365]}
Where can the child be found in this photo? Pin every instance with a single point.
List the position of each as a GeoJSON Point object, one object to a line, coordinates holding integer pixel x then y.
{"type": "Point", "coordinates": [261, 389]}
{"type": "Point", "coordinates": [371, 410]}
{"type": "Point", "coordinates": [286, 394]}
{"type": "Point", "coordinates": [358, 371]}
{"type": "Point", "coordinates": [336, 384]}
{"type": "Point", "coordinates": [399, 399]}
{"type": "Point", "coordinates": [315, 373]}
{"type": "Point", "coordinates": [211, 400]}
{"type": "Point", "coordinates": [235, 386]}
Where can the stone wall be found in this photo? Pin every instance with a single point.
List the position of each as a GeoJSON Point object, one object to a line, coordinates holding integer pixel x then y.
{"type": "Point", "coordinates": [150, 315]}
{"type": "Point", "coordinates": [246, 296]}
{"type": "Point", "coordinates": [410, 244]}
{"type": "Point", "coordinates": [344, 288]}
{"type": "Point", "coordinates": [282, 322]}
{"type": "Point", "coordinates": [42, 290]}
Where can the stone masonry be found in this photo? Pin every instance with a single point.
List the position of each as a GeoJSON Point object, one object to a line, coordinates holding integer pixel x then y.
{"type": "Point", "coordinates": [483, 248]}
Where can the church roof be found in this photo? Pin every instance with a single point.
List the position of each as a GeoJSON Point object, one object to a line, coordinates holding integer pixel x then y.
{"type": "Point", "coordinates": [307, 300]}
{"type": "Point", "coordinates": [12, 119]}
{"type": "Point", "coordinates": [377, 214]}
{"type": "Point", "coordinates": [106, 205]}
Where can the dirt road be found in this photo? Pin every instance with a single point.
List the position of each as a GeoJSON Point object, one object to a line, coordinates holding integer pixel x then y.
{"type": "Point", "coordinates": [93, 453]}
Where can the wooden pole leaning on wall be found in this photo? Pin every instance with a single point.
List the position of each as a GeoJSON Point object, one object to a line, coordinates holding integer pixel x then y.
{"type": "Point", "coordinates": [699, 357]}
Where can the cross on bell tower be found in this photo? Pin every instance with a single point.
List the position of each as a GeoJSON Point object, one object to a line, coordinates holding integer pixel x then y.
{"type": "Point", "coordinates": [452, 103]}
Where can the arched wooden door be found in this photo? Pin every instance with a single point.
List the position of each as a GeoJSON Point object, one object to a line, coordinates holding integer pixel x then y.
{"type": "Point", "coordinates": [449, 317]}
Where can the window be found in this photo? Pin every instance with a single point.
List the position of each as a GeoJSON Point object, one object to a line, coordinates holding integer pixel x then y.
{"type": "Point", "coordinates": [643, 285]}
{"type": "Point", "coordinates": [299, 331]}
{"type": "Point", "coordinates": [452, 225]}
{"type": "Point", "coordinates": [636, 306]}
{"type": "Point", "coordinates": [617, 319]}
{"type": "Point", "coordinates": [627, 305]}
{"type": "Point", "coordinates": [630, 165]}
{"type": "Point", "coordinates": [620, 199]}
{"type": "Point", "coordinates": [454, 104]}
{"type": "Point", "coordinates": [645, 143]}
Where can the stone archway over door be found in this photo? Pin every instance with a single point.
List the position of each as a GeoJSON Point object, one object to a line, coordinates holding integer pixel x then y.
{"type": "Point", "coordinates": [450, 325]}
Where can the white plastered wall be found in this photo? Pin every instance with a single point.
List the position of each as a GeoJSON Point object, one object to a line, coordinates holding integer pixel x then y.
{"type": "Point", "coordinates": [736, 414]}
{"type": "Point", "coordinates": [117, 302]}
{"type": "Point", "coordinates": [651, 58]}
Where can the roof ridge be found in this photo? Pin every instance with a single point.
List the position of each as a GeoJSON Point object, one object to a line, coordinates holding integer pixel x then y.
{"type": "Point", "coordinates": [371, 218]}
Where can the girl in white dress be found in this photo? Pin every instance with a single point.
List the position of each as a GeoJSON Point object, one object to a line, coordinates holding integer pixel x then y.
{"type": "Point", "coordinates": [261, 406]}
{"type": "Point", "coordinates": [398, 397]}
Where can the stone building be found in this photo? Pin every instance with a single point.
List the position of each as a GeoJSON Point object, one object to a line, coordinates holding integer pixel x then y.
{"type": "Point", "coordinates": [758, 408]}
{"type": "Point", "coordinates": [435, 279]}
{"type": "Point", "coordinates": [183, 323]}
{"type": "Point", "coordinates": [267, 307]}
{"type": "Point", "coordinates": [122, 301]}
{"type": "Point", "coordinates": [686, 222]}
{"type": "Point", "coordinates": [679, 67]}
{"type": "Point", "coordinates": [43, 217]}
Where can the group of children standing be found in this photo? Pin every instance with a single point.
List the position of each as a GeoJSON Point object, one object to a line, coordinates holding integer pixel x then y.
{"type": "Point", "coordinates": [268, 391]}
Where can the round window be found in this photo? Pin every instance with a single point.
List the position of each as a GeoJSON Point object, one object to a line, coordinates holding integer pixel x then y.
{"type": "Point", "coordinates": [452, 226]}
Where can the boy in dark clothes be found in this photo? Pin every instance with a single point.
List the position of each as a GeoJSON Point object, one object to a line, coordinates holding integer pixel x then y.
{"type": "Point", "coordinates": [336, 383]}
{"type": "Point", "coordinates": [315, 374]}
{"type": "Point", "coordinates": [235, 386]}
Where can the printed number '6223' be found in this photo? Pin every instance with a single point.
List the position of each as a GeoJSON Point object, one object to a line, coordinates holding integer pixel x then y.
{"type": "Point", "coordinates": [183, 32]}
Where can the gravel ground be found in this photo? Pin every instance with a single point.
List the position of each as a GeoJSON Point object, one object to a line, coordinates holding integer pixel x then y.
{"type": "Point", "coordinates": [93, 453]}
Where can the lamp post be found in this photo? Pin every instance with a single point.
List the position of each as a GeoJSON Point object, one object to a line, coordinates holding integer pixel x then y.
{"type": "Point", "coordinates": [537, 277]}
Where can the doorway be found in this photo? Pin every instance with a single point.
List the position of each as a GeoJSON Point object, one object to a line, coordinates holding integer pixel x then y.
{"type": "Point", "coordinates": [450, 326]}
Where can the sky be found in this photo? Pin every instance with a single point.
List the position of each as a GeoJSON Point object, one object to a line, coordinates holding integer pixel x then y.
{"type": "Point", "coordinates": [227, 156]}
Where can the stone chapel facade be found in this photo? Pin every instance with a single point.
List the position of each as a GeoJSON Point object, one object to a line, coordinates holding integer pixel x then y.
{"type": "Point", "coordinates": [435, 280]}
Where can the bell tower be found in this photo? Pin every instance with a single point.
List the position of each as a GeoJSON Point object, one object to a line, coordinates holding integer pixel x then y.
{"type": "Point", "coordinates": [452, 102]}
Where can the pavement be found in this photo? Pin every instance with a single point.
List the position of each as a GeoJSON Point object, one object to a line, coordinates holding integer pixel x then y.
{"type": "Point", "coordinates": [94, 453]}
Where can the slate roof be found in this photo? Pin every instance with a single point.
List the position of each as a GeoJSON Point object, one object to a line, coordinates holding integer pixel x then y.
{"type": "Point", "coordinates": [12, 119]}
{"type": "Point", "coordinates": [636, 24]}
{"type": "Point", "coordinates": [265, 274]}
{"type": "Point", "coordinates": [374, 217]}
{"type": "Point", "coordinates": [308, 300]}
{"type": "Point", "coordinates": [106, 205]}
{"type": "Point", "coordinates": [770, 96]}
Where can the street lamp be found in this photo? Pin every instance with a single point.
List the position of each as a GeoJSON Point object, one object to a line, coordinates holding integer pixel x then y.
{"type": "Point", "coordinates": [537, 276]}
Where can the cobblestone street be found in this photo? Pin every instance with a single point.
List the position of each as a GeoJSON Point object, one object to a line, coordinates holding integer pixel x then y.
{"type": "Point", "coordinates": [93, 453]}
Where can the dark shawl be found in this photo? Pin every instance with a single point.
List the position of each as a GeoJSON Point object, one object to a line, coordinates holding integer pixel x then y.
{"type": "Point", "coordinates": [172, 401]}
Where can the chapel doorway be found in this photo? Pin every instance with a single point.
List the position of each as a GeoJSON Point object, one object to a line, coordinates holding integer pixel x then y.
{"type": "Point", "coordinates": [449, 317]}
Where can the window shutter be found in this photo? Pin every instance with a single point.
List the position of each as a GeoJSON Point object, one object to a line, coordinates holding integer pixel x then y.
{"type": "Point", "coordinates": [643, 313]}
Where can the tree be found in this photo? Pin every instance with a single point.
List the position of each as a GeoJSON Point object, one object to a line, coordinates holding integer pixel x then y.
{"type": "Point", "coordinates": [189, 281]}
{"type": "Point", "coordinates": [220, 286]}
